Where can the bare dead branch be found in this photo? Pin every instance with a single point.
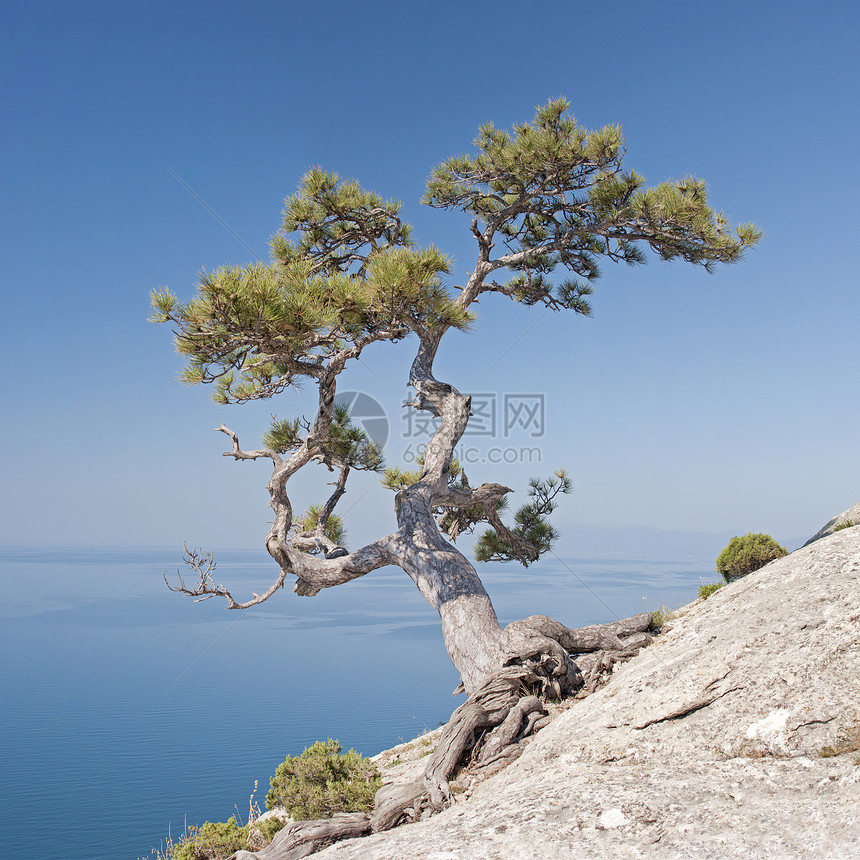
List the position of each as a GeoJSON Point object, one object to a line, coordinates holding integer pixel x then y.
{"type": "Point", "coordinates": [203, 565]}
{"type": "Point", "coordinates": [238, 454]}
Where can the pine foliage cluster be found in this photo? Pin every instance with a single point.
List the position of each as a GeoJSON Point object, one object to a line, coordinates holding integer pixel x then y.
{"type": "Point", "coordinates": [559, 196]}
{"type": "Point", "coordinates": [344, 443]}
{"type": "Point", "coordinates": [334, 528]}
{"type": "Point", "coordinates": [351, 278]}
{"type": "Point", "coordinates": [533, 534]}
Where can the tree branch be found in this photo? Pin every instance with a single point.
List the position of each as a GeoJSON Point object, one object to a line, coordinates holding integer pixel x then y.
{"type": "Point", "coordinates": [238, 454]}
{"type": "Point", "coordinates": [314, 573]}
{"type": "Point", "coordinates": [203, 564]}
{"type": "Point", "coordinates": [463, 507]}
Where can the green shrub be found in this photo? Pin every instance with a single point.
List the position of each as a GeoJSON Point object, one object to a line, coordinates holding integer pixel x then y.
{"type": "Point", "coordinates": [745, 554]}
{"type": "Point", "coordinates": [211, 841]}
{"type": "Point", "coordinates": [845, 524]}
{"type": "Point", "coordinates": [321, 782]}
{"type": "Point", "coordinates": [706, 590]}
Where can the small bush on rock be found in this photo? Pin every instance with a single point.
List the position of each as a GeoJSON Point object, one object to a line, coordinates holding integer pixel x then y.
{"type": "Point", "coordinates": [211, 841]}
{"type": "Point", "coordinates": [321, 782]}
{"type": "Point", "coordinates": [743, 555]}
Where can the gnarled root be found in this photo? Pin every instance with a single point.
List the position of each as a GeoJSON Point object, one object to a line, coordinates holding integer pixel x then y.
{"type": "Point", "coordinates": [543, 657]}
{"type": "Point", "coordinates": [496, 703]}
{"type": "Point", "coordinates": [304, 838]}
{"type": "Point", "coordinates": [399, 802]}
{"type": "Point", "coordinates": [502, 745]}
{"type": "Point", "coordinates": [552, 660]}
{"type": "Point", "coordinates": [629, 634]}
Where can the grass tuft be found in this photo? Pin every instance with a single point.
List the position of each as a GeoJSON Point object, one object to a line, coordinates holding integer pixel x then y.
{"type": "Point", "coordinates": [661, 616]}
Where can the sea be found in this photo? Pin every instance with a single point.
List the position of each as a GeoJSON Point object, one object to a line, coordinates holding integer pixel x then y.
{"type": "Point", "coordinates": [129, 712]}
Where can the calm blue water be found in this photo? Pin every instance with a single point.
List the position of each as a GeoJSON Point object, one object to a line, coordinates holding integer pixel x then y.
{"type": "Point", "coordinates": [127, 710]}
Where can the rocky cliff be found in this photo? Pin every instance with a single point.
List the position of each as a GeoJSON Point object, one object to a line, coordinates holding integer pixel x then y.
{"type": "Point", "coordinates": [736, 734]}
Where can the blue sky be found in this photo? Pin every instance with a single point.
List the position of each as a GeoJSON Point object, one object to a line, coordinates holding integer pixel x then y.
{"type": "Point", "coordinates": [690, 401]}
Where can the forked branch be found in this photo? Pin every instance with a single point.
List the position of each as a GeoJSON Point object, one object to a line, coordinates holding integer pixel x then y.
{"type": "Point", "coordinates": [238, 454]}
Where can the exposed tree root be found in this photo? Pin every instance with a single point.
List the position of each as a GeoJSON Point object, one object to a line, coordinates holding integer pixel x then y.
{"type": "Point", "coordinates": [487, 729]}
{"type": "Point", "coordinates": [304, 838]}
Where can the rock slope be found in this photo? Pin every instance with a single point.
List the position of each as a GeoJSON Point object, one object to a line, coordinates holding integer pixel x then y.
{"type": "Point", "coordinates": [737, 734]}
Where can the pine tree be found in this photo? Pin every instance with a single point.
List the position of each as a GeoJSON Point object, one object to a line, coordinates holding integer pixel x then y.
{"type": "Point", "coordinates": [549, 202]}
